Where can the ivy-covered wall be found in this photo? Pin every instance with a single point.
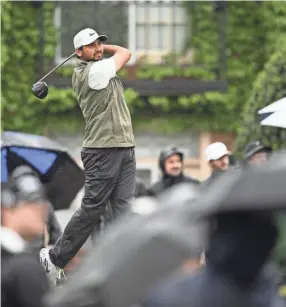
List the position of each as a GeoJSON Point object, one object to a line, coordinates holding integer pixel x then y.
{"type": "Point", "coordinates": [253, 30]}
{"type": "Point", "coordinates": [268, 87]}
{"type": "Point", "coordinates": [19, 55]}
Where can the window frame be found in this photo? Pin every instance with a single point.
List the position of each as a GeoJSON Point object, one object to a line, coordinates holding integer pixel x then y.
{"type": "Point", "coordinates": [131, 35]}
{"type": "Point", "coordinates": [173, 23]}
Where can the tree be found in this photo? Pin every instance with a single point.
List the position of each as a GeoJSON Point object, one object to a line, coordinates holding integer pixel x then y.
{"type": "Point", "coordinates": [269, 86]}
{"type": "Point", "coordinates": [20, 51]}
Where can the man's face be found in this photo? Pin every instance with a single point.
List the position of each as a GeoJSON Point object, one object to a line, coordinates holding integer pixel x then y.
{"type": "Point", "coordinates": [91, 52]}
{"type": "Point", "coordinates": [258, 158]}
{"type": "Point", "coordinates": [28, 220]}
{"type": "Point", "coordinates": [221, 163]}
{"type": "Point", "coordinates": [173, 165]}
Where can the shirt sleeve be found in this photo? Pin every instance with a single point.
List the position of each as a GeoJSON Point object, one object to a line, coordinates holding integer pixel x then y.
{"type": "Point", "coordinates": [100, 74]}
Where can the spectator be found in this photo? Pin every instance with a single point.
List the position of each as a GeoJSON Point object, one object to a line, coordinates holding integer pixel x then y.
{"type": "Point", "coordinates": [171, 163]}
{"type": "Point", "coordinates": [256, 153]}
{"type": "Point", "coordinates": [23, 212]}
{"type": "Point", "coordinates": [217, 156]}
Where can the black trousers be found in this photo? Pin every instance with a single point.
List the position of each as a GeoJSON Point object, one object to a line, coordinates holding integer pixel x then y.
{"type": "Point", "coordinates": [109, 178]}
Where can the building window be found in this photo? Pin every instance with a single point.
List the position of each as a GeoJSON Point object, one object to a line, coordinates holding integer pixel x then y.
{"type": "Point", "coordinates": [110, 18]}
{"type": "Point", "coordinates": [160, 26]}
{"type": "Point", "coordinates": [143, 27]}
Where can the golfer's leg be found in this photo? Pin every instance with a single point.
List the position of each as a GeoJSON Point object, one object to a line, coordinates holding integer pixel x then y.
{"type": "Point", "coordinates": [124, 190]}
{"type": "Point", "coordinates": [108, 215]}
{"type": "Point", "coordinates": [100, 179]}
{"type": "Point", "coordinates": [105, 219]}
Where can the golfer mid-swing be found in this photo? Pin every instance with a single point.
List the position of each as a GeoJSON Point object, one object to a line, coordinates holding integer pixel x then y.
{"type": "Point", "coordinates": [108, 147]}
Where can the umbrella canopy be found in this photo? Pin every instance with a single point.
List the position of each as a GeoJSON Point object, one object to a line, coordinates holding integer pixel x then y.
{"type": "Point", "coordinates": [279, 105]}
{"type": "Point", "coordinates": [136, 252]}
{"type": "Point", "coordinates": [58, 171]}
{"type": "Point", "coordinates": [274, 114]}
{"type": "Point", "coordinates": [258, 189]}
{"type": "Point", "coordinates": [276, 119]}
{"type": "Point", "coordinates": [133, 255]}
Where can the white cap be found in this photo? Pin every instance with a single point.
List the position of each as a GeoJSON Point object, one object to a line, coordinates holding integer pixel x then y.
{"type": "Point", "coordinates": [215, 151]}
{"type": "Point", "coordinates": [86, 37]}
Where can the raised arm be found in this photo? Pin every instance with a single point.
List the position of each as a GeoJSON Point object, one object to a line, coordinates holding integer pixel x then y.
{"type": "Point", "coordinates": [120, 55]}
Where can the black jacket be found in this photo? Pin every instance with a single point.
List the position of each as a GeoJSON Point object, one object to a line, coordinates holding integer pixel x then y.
{"type": "Point", "coordinates": [234, 275]}
{"type": "Point", "coordinates": [211, 178]}
{"type": "Point", "coordinates": [140, 188]}
{"type": "Point", "coordinates": [216, 174]}
{"type": "Point", "coordinates": [187, 290]}
{"type": "Point", "coordinates": [169, 181]}
{"type": "Point", "coordinates": [23, 280]}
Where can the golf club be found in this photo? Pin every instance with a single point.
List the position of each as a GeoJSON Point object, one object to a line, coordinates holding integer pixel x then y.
{"type": "Point", "coordinates": [40, 89]}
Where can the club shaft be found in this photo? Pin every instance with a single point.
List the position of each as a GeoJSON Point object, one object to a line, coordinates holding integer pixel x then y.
{"type": "Point", "coordinates": [57, 66]}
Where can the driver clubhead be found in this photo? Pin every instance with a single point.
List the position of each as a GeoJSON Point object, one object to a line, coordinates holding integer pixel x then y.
{"type": "Point", "coordinates": [40, 89]}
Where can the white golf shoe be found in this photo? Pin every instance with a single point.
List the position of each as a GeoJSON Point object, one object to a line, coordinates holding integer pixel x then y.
{"type": "Point", "coordinates": [51, 270]}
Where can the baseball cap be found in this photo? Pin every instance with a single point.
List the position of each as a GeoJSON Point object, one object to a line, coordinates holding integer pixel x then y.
{"type": "Point", "coordinates": [86, 37]}
{"type": "Point", "coordinates": [215, 151]}
{"type": "Point", "coordinates": [254, 147]}
{"type": "Point", "coordinates": [23, 186]}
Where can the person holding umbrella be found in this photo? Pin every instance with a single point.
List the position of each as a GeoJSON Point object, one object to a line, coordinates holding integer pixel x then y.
{"type": "Point", "coordinates": [108, 148]}
{"type": "Point", "coordinates": [58, 171]}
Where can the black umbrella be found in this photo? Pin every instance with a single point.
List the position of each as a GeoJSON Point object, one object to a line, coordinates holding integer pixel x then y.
{"type": "Point", "coordinates": [133, 255]}
{"type": "Point", "coordinates": [261, 189]}
{"type": "Point", "coordinates": [138, 251]}
{"type": "Point", "coordinates": [274, 114]}
{"type": "Point", "coordinates": [58, 171]}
